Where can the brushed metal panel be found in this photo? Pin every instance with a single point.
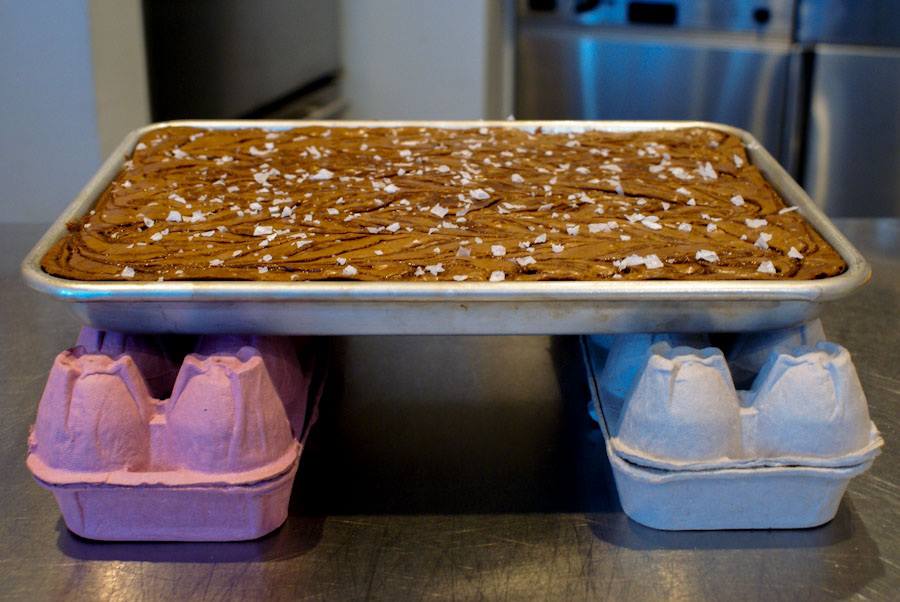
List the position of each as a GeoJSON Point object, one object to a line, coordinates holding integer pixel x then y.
{"type": "Point", "coordinates": [566, 73]}
{"type": "Point", "coordinates": [868, 22]}
{"type": "Point", "coordinates": [853, 149]}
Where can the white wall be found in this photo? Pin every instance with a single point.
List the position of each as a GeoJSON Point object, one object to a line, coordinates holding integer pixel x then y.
{"type": "Point", "coordinates": [48, 128]}
{"type": "Point", "coordinates": [422, 59]}
{"type": "Point", "coordinates": [120, 70]}
{"type": "Point", "coordinates": [72, 83]}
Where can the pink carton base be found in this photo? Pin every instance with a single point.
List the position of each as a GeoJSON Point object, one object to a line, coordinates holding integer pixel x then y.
{"type": "Point", "coordinates": [165, 513]}
{"type": "Point", "coordinates": [209, 453]}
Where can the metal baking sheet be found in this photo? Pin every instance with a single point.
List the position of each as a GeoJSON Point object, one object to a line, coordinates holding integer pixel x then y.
{"type": "Point", "coordinates": [449, 307]}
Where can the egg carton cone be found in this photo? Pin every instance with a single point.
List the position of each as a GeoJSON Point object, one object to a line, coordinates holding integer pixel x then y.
{"type": "Point", "coordinates": [157, 357]}
{"type": "Point", "coordinates": [682, 411]}
{"type": "Point", "coordinates": [212, 460]}
{"type": "Point", "coordinates": [749, 351]}
{"type": "Point", "coordinates": [690, 451]}
{"type": "Point", "coordinates": [626, 356]}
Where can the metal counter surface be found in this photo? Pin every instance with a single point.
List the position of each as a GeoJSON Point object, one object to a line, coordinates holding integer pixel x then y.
{"type": "Point", "coordinates": [458, 467]}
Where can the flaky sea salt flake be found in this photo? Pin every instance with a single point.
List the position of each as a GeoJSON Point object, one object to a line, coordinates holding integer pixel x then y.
{"type": "Point", "coordinates": [524, 261]}
{"type": "Point", "coordinates": [628, 262]}
{"type": "Point", "coordinates": [767, 267]}
{"type": "Point", "coordinates": [755, 223]}
{"type": "Point", "coordinates": [435, 269]}
{"type": "Point", "coordinates": [157, 236]}
{"type": "Point", "coordinates": [706, 255]}
{"type": "Point", "coordinates": [680, 173]}
{"type": "Point", "coordinates": [763, 241]}
{"type": "Point", "coordinates": [652, 262]}
{"type": "Point", "coordinates": [707, 171]}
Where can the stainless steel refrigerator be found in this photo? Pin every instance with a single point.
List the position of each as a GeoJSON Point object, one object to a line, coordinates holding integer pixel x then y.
{"type": "Point", "coordinates": [851, 154]}
{"type": "Point", "coordinates": [769, 66]}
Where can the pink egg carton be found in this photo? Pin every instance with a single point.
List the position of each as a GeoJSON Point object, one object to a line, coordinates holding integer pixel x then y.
{"type": "Point", "coordinates": [690, 450]}
{"type": "Point", "coordinates": [137, 443]}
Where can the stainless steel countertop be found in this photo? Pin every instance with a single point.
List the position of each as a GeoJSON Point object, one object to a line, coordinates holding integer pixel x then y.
{"type": "Point", "coordinates": [459, 467]}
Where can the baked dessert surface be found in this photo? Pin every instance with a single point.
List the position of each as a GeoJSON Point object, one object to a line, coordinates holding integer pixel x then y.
{"type": "Point", "coordinates": [421, 204]}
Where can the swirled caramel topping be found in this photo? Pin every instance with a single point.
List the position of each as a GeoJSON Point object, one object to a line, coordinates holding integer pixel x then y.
{"type": "Point", "coordinates": [419, 203]}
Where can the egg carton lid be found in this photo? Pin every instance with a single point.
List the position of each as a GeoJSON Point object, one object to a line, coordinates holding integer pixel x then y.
{"type": "Point", "coordinates": [608, 411]}
{"type": "Point", "coordinates": [665, 475]}
{"type": "Point", "coordinates": [638, 457]}
{"type": "Point", "coordinates": [165, 478]}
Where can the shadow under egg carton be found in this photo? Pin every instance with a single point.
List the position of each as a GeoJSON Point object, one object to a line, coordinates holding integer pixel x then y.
{"type": "Point", "coordinates": [138, 441]}
{"type": "Point", "coordinates": [689, 450]}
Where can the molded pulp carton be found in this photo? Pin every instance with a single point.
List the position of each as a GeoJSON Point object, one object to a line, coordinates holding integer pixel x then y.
{"type": "Point", "coordinates": [689, 450]}
{"type": "Point", "coordinates": [137, 445]}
